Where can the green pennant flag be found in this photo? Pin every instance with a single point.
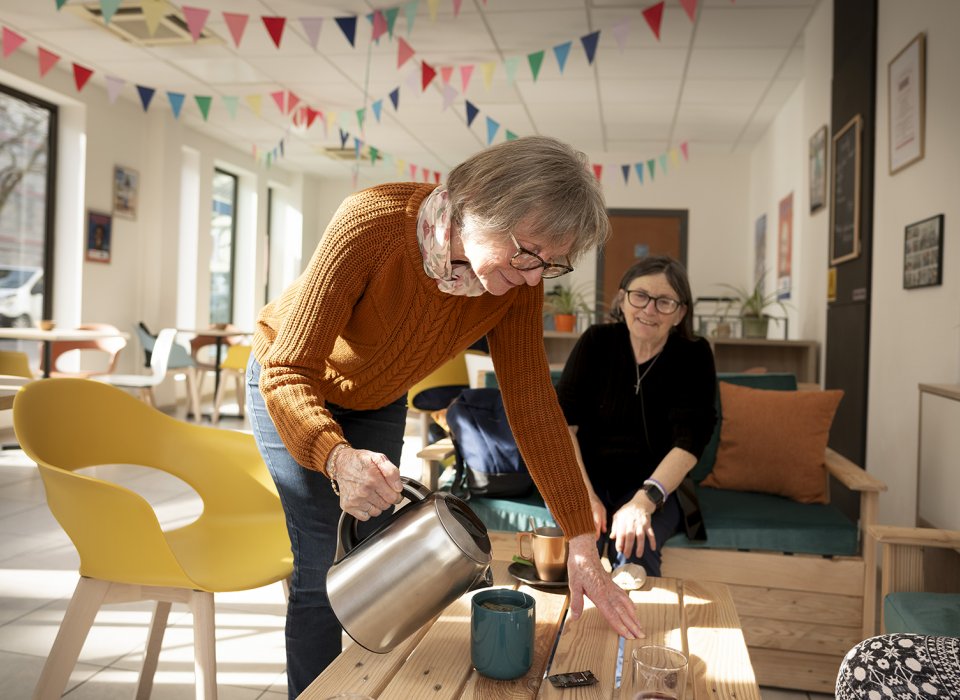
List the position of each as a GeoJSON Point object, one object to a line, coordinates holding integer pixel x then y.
{"type": "Point", "coordinates": [107, 9]}
{"type": "Point", "coordinates": [61, 3]}
{"type": "Point", "coordinates": [511, 136]}
{"type": "Point", "coordinates": [203, 102]}
{"type": "Point", "coordinates": [231, 103]}
{"type": "Point", "coordinates": [361, 113]}
{"type": "Point", "coordinates": [536, 60]}
{"type": "Point", "coordinates": [391, 17]}
{"type": "Point", "coordinates": [374, 154]}
{"type": "Point", "coordinates": [651, 164]}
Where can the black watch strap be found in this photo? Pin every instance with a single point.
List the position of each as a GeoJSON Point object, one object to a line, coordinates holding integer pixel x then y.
{"type": "Point", "coordinates": [654, 494]}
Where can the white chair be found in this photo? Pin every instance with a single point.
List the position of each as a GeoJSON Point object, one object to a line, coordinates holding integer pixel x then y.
{"type": "Point", "coordinates": [144, 383]}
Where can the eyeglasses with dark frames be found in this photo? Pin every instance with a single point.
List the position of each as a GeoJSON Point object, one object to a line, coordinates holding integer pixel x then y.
{"type": "Point", "coordinates": [664, 305]}
{"type": "Point", "coordinates": [526, 260]}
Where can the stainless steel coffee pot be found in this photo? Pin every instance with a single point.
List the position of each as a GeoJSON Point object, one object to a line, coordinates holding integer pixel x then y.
{"type": "Point", "coordinates": [426, 555]}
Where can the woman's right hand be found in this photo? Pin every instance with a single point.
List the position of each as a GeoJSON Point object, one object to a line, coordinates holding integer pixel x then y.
{"type": "Point", "coordinates": [369, 482]}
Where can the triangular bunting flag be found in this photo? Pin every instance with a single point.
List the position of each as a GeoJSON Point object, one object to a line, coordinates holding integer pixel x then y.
{"type": "Point", "coordinates": [11, 41]}
{"type": "Point", "coordinates": [621, 30]}
{"type": "Point", "coordinates": [391, 16]}
{"type": "Point", "coordinates": [237, 24]}
{"type": "Point", "coordinates": [231, 102]}
{"type": "Point", "coordinates": [589, 42]}
{"type": "Point", "coordinates": [410, 11]}
{"type": "Point", "coordinates": [114, 85]}
{"type": "Point", "coordinates": [374, 153]}
{"type": "Point", "coordinates": [395, 97]}
{"type": "Point", "coordinates": [427, 74]}
{"type": "Point", "coordinates": [81, 75]}
{"type": "Point", "coordinates": [343, 138]}
{"type": "Point", "coordinates": [449, 95]}
{"type": "Point", "coordinates": [597, 171]}
{"type": "Point", "coordinates": [278, 98]}
{"type": "Point", "coordinates": [46, 59]}
{"type": "Point", "coordinates": [683, 150]}
{"type": "Point", "coordinates": [203, 102]}
{"type": "Point", "coordinates": [282, 144]}
{"type": "Point", "coordinates": [274, 26]}
{"type": "Point", "coordinates": [413, 79]}
{"type": "Point", "coordinates": [433, 5]}
{"type": "Point", "coordinates": [176, 103]}
{"type": "Point", "coordinates": [404, 52]}
{"type": "Point", "coordinates": [348, 25]}
{"type": "Point", "coordinates": [401, 164]}
{"type": "Point", "coordinates": [436, 177]}
{"type": "Point", "coordinates": [446, 72]}
{"type": "Point", "coordinates": [292, 102]}
{"type": "Point", "coordinates": [356, 147]}
{"type": "Point", "coordinates": [255, 102]}
{"type": "Point", "coordinates": [377, 107]}
{"type": "Point", "coordinates": [361, 113]}
{"type": "Point", "coordinates": [196, 18]}
{"type": "Point", "coordinates": [413, 171]}
{"type": "Point", "coordinates": [639, 168]}
{"type": "Point", "coordinates": [650, 166]}
{"type": "Point", "coordinates": [153, 11]}
{"type": "Point", "coordinates": [426, 175]}
{"type": "Point", "coordinates": [536, 60]}
{"type": "Point", "coordinates": [674, 157]}
{"type": "Point", "coordinates": [510, 135]}
{"type": "Point", "coordinates": [311, 27]}
{"type": "Point", "coordinates": [663, 163]}
{"type": "Point", "coordinates": [510, 66]}
{"type": "Point", "coordinates": [690, 6]}
{"type": "Point", "coordinates": [379, 25]}
{"type": "Point", "coordinates": [107, 9]}
{"type": "Point", "coordinates": [562, 51]}
{"type": "Point", "coordinates": [487, 69]}
{"type": "Point", "coordinates": [472, 112]}
{"type": "Point", "coordinates": [492, 128]}
{"type": "Point", "coordinates": [146, 94]}
{"type": "Point", "coordinates": [465, 72]}
{"type": "Point", "coordinates": [456, 8]}
{"type": "Point", "coordinates": [61, 3]}
{"type": "Point", "coordinates": [625, 169]}
{"type": "Point", "coordinates": [654, 15]}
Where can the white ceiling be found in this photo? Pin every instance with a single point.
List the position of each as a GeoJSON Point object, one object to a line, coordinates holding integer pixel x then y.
{"type": "Point", "coordinates": [715, 83]}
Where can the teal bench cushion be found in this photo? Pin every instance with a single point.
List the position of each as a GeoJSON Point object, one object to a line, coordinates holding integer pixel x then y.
{"type": "Point", "coordinates": [758, 521]}
{"type": "Point", "coordinates": [514, 514]}
{"type": "Point", "coordinates": [936, 614]}
{"type": "Point", "coordinates": [490, 379]}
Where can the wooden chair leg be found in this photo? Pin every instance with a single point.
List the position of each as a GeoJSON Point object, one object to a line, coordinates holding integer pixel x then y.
{"type": "Point", "coordinates": [217, 400]}
{"type": "Point", "coordinates": [241, 392]}
{"type": "Point", "coordinates": [151, 655]}
{"type": "Point", "coordinates": [81, 612]}
{"type": "Point", "coordinates": [204, 644]}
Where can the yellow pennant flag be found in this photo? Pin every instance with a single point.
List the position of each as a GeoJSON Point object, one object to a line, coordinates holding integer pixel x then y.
{"type": "Point", "coordinates": [401, 164]}
{"type": "Point", "coordinates": [674, 157]}
{"type": "Point", "coordinates": [488, 69]}
{"type": "Point", "coordinates": [434, 4]}
{"type": "Point", "coordinates": [254, 102]}
{"type": "Point", "coordinates": [152, 10]}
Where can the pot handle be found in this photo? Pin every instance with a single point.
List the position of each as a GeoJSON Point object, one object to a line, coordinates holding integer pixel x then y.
{"type": "Point", "coordinates": [347, 537]}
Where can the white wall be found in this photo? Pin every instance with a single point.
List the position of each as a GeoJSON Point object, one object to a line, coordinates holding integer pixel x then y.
{"type": "Point", "coordinates": [915, 334]}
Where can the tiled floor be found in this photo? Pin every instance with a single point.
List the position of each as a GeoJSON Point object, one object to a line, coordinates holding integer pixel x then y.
{"type": "Point", "coordinates": [38, 572]}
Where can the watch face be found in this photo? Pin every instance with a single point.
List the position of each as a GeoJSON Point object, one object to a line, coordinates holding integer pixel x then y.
{"type": "Point", "coordinates": [653, 493]}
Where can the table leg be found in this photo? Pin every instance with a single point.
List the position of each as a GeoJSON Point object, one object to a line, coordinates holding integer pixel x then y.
{"type": "Point", "coordinates": [216, 363]}
{"type": "Point", "coordinates": [47, 358]}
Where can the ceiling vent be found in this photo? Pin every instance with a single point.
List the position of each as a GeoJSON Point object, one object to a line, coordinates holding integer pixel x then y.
{"type": "Point", "coordinates": [130, 24]}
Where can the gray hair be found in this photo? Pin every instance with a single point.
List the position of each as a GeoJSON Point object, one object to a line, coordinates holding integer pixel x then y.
{"type": "Point", "coordinates": [537, 180]}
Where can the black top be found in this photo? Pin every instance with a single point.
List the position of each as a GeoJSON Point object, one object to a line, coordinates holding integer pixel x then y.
{"type": "Point", "coordinates": [624, 435]}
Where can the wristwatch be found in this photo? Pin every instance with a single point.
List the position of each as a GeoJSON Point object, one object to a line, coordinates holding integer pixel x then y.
{"type": "Point", "coordinates": [655, 495]}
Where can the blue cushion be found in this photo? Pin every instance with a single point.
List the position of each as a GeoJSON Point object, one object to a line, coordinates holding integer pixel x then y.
{"type": "Point", "coordinates": [936, 614]}
{"type": "Point", "coordinates": [776, 381]}
{"type": "Point", "coordinates": [490, 379]}
{"type": "Point", "coordinates": [514, 514]}
{"type": "Point", "coordinates": [758, 521]}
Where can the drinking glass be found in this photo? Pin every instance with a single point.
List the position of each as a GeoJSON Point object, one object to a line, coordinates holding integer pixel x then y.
{"type": "Point", "coordinates": [659, 673]}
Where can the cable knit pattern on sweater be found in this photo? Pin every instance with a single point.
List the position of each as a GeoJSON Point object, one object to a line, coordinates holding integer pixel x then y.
{"type": "Point", "coordinates": [364, 323]}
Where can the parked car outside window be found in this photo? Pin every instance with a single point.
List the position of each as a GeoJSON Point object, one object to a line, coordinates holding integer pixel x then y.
{"type": "Point", "coordinates": [21, 295]}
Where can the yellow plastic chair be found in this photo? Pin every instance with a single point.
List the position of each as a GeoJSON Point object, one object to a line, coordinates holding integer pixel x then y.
{"type": "Point", "coordinates": [233, 365]}
{"type": "Point", "coordinates": [15, 364]}
{"type": "Point", "coordinates": [239, 542]}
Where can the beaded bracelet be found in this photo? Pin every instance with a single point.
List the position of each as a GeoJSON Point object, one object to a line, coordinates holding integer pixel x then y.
{"type": "Point", "coordinates": [331, 463]}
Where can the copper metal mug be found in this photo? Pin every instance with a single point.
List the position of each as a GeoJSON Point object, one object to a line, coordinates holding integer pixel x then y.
{"type": "Point", "coordinates": [549, 552]}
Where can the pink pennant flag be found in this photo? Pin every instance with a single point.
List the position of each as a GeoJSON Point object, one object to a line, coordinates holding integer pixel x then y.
{"type": "Point", "coordinates": [114, 86]}
{"type": "Point", "coordinates": [683, 149]}
{"type": "Point", "coordinates": [196, 18]}
{"type": "Point", "coordinates": [47, 60]}
{"type": "Point", "coordinates": [413, 171]}
{"type": "Point", "coordinates": [81, 75]}
{"type": "Point", "coordinates": [237, 24]}
{"type": "Point", "coordinates": [379, 25]}
{"type": "Point", "coordinates": [466, 71]}
{"type": "Point", "coordinates": [456, 8]}
{"type": "Point", "coordinates": [311, 27]}
{"type": "Point", "coordinates": [292, 101]}
{"type": "Point", "coordinates": [11, 41]}
{"type": "Point", "coordinates": [654, 15]}
{"type": "Point", "coordinates": [597, 170]}
{"type": "Point", "coordinates": [404, 51]}
{"type": "Point", "coordinates": [690, 6]}
{"type": "Point", "coordinates": [278, 99]}
{"type": "Point", "coordinates": [275, 27]}
{"type": "Point", "coordinates": [449, 95]}
{"type": "Point", "coordinates": [621, 30]}
{"type": "Point", "coordinates": [446, 72]}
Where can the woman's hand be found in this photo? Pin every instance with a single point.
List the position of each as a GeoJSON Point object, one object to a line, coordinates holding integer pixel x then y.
{"type": "Point", "coordinates": [369, 483]}
{"type": "Point", "coordinates": [632, 527]}
{"type": "Point", "coordinates": [599, 514]}
{"type": "Point", "coordinates": [587, 577]}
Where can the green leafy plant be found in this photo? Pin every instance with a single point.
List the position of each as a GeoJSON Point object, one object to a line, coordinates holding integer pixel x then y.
{"type": "Point", "coordinates": [563, 299]}
{"type": "Point", "coordinates": [752, 303]}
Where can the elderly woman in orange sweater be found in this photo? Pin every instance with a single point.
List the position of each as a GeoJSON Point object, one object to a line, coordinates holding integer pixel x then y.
{"type": "Point", "coordinates": [405, 277]}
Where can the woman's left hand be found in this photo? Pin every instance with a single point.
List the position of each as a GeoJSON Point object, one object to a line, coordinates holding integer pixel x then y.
{"type": "Point", "coordinates": [632, 528]}
{"type": "Point", "coordinates": [587, 577]}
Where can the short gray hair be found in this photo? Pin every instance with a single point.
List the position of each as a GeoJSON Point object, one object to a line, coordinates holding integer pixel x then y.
{"type": "Point", "coordinates": [537, 180]}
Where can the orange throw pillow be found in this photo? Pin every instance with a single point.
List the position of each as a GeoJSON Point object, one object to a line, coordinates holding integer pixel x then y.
{"type": "Point", "coordinates": [774, 442]}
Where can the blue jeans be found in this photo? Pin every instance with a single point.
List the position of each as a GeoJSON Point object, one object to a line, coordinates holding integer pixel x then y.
{"type": "Point", "coordinates": [312, 509]}
{"type": "Point", "coordinates": [666, 522]}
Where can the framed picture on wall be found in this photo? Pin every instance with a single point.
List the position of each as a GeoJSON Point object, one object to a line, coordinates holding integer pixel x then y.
{"type": "Point", "coordinates": [845, 193]}
{"type": "Point", "coordinates": [99, 232]}
{"type": "Point", "coordinates": [906, 103]}
{"type": "Point", "coordinates": [126, 182]}
{"type": "Point", "coordinates": [923, 253]}
{"type": "Point", "coordinates": [818, 169]}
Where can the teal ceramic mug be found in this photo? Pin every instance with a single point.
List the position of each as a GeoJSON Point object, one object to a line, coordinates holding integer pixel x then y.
{"type": "Point", "coordinates": [502, 633]}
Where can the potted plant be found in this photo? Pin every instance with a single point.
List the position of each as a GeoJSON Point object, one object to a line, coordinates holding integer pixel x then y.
{"type": "Point", "coordinates": [564, 303]}
{"type": "Point", "coordinates": [752, 305]}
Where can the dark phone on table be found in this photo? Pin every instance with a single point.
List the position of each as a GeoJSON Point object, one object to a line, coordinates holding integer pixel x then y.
{"type": "Point", "coordinates": [575, 679]}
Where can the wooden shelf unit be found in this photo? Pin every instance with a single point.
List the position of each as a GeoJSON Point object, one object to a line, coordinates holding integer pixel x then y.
{"type": "Point", "coordinates": [801, 357]}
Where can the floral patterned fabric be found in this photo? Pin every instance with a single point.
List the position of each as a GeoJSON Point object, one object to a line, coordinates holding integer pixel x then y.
{"type": "Point", "coordinates": [901, 667]}
{"type": "Point", "coordinates": [433, 233]}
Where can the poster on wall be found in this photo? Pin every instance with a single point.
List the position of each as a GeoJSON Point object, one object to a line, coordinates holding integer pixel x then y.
{"type": "Point", "coordinates": [785, 247]}
{"type": "Point", "coordinates": [923, 253]}
{"type": "Point", "coordinates": [845, 193]}
{"type": "Point", "coordinates": [125, 185]}
{"type": "Point", "coordinates": [99, 230]}
{"type": "Point", "coordinates": [818, 169]}
{"type": "Point", "coordinates": [906, 97]}
{"type": "Point", "coordinates": [759, 250]}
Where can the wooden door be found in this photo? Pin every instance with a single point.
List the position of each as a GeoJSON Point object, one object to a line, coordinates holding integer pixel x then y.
{"type": "Point", "coordinates": [636, 234]}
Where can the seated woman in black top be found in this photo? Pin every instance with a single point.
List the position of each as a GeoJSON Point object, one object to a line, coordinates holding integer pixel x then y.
{"type": "Point", "coordinates": [638, 395]}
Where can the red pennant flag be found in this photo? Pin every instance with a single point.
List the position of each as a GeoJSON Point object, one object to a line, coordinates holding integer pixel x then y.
{"type": "Point", "coordinates": [196, 17]}
{"type": "Point", "coordinates": [404, 51]}
{"type": "Point", "coordinates": [654, 15]}
{"type": "Point", "coordinates": [237, 24]}
{"type": "Point", "coordinates": [683, 149]}
{"type": "Point", "coordinates": [446, 72]}
{"type": "Point", "coordinates": [278, 98]}
{"type": "Point", "coordinates": [11, 41]}
{"type": "Point", "coordinates": [427, 74]}
{"type": "Point", "coordinates": [456, 8]}
{"type": "Point", "coordinates": [436, 177]}
{"type": "Point", "coordinates": [47, 59]}
{"type": "Point", "coordinates": [379, 25]}
{"type": "Point", "coordinates": [597, 170]}
{"type": "Point", "coordinates": [274, 27]}
{"type": "Point", "coordinates": [80, 76]}
{"type": "Point", "coordinates": [292, 101]}
{"type": "Point", "coordinates": [691, 8]}
{"type": "Point", "coordinates": [312, 114]}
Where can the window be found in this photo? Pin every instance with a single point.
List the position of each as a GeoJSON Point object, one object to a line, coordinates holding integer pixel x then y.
{"type": "Point", "coordinates": [223, 230]}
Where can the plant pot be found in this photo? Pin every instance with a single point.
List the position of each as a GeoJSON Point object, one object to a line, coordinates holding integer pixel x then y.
{"type": "Point", "coordinates": [564, 323]}
{"type": "Point", "coordinates": [755, 326]}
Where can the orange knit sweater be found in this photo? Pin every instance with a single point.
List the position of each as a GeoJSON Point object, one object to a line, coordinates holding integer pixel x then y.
{"type": "Point", "coordinates": [364, 323]}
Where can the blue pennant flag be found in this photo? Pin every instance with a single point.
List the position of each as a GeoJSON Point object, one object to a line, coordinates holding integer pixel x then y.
{"type": "Point", "coordinates": [348, 25]}
{"type": "Point", "coordinates": [343, 138]}
{"type": "Point", "coordinates": [377, 106]}
{"type": "Point", "coordinates": [626, 173]}
{"type": "Point", "coordinates": [590, 44]}
{"type": "Point", "coordinates": [146, 94]}
{"type": "Point", "coordinates": [395, 97]}
{"type": "Point", "coordinates": [472, 112]}
{"type": "Point", "coordinates": [492, 128]}
{"type": "Point", "coordinates": [561, 51]}
{"type": "Point", "coordinates": [176, 103]}
{"type": "Point", "coordinates": [639, 168]}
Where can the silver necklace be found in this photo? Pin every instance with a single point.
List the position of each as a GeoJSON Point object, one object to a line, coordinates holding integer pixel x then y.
{"type": "Point", "coordinates": [636, 387]}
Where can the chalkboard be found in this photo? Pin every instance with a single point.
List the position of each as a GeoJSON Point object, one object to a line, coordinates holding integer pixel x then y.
{"type": "Point", "coordinates": [845, 193]}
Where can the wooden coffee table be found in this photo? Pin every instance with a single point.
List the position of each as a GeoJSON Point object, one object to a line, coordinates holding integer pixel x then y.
{"type": "Point", "coordinates": [698, 617]}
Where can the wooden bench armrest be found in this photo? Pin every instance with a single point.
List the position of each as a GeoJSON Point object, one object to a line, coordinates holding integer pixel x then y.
{"type": "Point", "coordinates": [439, 450]}
{"type": "Point", "coordinates": [850, 475]}
{"type": "Point", "coordinates": [916, 536]}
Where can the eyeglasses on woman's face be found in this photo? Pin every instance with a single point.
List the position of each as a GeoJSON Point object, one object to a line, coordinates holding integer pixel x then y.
{"type": "Point", "coordinates": [526, 260]}
{"type": "Point", "coordinates": [664, 305]}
